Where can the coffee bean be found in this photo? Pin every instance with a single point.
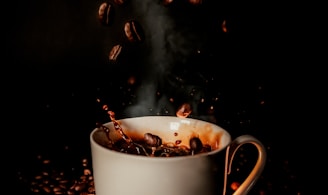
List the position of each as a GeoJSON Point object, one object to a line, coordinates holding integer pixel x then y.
{"type": "Point", "coordinates": [115, 52]}
{"type": "Point", "coordinates": [70, 192]}
{"type": "Point", "coordinates": [80, 186]}
{"type": "Point", "coordinates": [91, 189]}
{"type": "Point", "coordinates": [152, 140]}
{"type": "Point", "coordinates": [134, 31]}
{"type": "Point", "coordinates": [84, 161]}
{"type": "Point", "coordinates": [87, 172]}
{"type": "Point", "coordinates": [196, 144]}
{"type": "Point", "coordinates": [57, 189]}
{"type": "Point", "coordinates": [83, 178]}
{"type": "Point", "coordinates": [106, 14]}
{"type": "Point", "coordinates": [47, 189]}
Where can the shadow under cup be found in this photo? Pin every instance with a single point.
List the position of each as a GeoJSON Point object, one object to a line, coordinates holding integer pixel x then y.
{"type": "Point", "coordinates": [118, 173]}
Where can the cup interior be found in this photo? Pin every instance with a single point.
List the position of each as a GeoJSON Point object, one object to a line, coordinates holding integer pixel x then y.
{"type": "Point", "coordinates": [169, 128]}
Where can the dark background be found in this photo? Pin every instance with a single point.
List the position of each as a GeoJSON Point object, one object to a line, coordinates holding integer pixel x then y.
{"type": "Point", "coordinates": [56, 66]}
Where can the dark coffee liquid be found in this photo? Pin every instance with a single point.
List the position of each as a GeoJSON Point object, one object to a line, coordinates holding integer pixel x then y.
{"type": "Point", "coordinates": [150, 144]}
{"type": "Point", "coordinates": [140, 147]}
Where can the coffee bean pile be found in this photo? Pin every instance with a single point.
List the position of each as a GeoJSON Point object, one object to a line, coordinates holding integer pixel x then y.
{"type": "Point", "coordinates": [51, 179]}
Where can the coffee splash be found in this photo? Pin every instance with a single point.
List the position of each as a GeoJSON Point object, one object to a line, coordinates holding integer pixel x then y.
{"type": "Point", "coordinates": [151, 144]}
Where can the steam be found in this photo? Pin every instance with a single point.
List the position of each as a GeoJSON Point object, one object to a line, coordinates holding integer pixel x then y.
{"type": "Point", "coordinates": [168, 45]}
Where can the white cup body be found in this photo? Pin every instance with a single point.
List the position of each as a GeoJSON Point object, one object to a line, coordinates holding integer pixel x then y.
{"type": "Point", "coordinates": [117, 173]}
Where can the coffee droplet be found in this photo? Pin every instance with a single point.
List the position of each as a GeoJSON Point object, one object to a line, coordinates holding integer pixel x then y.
{"type": "Point", "coordinates": [234, 185]}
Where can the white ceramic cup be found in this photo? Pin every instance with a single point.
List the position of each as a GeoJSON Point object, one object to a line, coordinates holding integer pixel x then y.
{"type": "Point", "coordinates": [117, 173]}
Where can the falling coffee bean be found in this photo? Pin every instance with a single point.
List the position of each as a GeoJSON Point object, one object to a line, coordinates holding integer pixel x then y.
{"type": "Point", "coordinates": [115, 52]}
{"type": "Point", "coordinates": [196, 145]}
{"type": "Point", "coordinates": [134, 31]}
{"type": "Point", "coordinates": [106, 14]}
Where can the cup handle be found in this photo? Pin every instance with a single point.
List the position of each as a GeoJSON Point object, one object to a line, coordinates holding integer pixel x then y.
{"type": "Point", "coordinates": [248, 183]}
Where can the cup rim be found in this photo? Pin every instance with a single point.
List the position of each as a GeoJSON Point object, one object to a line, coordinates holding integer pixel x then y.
{"type": "Point", "coordinates": [98, 146]}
